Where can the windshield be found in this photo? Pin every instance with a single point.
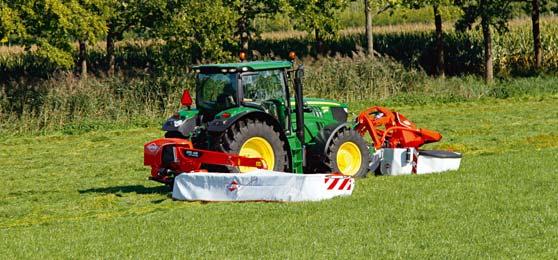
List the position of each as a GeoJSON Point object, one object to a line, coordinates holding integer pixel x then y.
{"type": "Point", "coordinates": [216, 91]}
{"type": "Point", "coordinates": [263, 85]}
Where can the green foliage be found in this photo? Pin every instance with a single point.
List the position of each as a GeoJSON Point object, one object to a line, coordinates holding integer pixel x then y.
{"type": "Point", "coordinates": [140, 16]}
{"type": "Point", "coordinates": [546, 6]}
{"type": "Point", "coordinates": [317, 16]}
{"type": "Point", "coordinates": [422, 3]}
{"type": "Point", "coordinates": [10, 22]}
{"type": "Point", "coordinates": [411, 47]}
{"type": "Point", "coordinates": [247, 11]}
{"type": "Point", "coordinates": [65, 103]}
{"type": "Point", "coordinates": [58, 22]}
{"type": "Point", "coordinates": [194, 34]}
{"type": "Point", "coordinates": [495, 13]}
{"type": "Point", "coordinates": [52, 26]}
{"type": "Point", "coordinates": [87, 21]}
{"type": "Point", "coordinates": [50, 58]}
{"type": "Point", "coordinates": [353, 16]}
{"type": "Point", "coordinates": [358, 78]}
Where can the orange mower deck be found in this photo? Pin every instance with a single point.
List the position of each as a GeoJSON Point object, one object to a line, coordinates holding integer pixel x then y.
{"type": "Point", "coordinates": [390, 129]}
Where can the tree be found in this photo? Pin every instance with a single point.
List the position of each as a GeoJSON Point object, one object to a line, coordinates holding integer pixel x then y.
{"type": "Point", "coordinates": [318, 17]}
{"type": "Point", "coordinates": [246, 11]}
{"type": "Point", "coordinates": [131, 15]}
{"type": "Point", "coordinates": [535, 14]}
{"type": "Point", "coordinates": [368, 28]}
{"type": "Point", "coordinates": [87, 26]}
{"type": "Point", "coordinates": [194, 34]}
{"type": "Point", "coordinates": [492, 14]}
{"type": "Point", "coordinates": [535, 8]}
{"type": "Point", "coordinates": [53, 25]}
{"type": "Point", "coordinates": [371, 9]}
{"type": "Point", "coordinates": [10, 22]}
{"type": "Point", "coordinates": [436, 5]}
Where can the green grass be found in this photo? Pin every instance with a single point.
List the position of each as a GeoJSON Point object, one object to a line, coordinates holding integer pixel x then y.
{"type": "Point", "coordinates": [86, 196]}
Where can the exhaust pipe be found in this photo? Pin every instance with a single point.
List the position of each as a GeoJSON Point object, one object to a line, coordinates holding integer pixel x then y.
{"type": "Point", "coordinates": [299, 103]}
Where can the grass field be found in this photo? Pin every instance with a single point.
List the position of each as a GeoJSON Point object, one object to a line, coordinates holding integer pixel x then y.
{"type": "Point", "coordinates": [78, 196]}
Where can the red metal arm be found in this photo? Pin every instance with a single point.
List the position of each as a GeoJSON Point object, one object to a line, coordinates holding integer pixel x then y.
{"type": "Point", "coordinates": [181, 156]}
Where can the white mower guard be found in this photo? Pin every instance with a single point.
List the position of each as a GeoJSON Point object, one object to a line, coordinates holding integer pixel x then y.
{"type": "Point", "coordinates": [405, 161]}
{"type": "Point", "coordinates": [260, 185]}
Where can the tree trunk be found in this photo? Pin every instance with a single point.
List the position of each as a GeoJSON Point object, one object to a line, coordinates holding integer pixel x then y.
{"type": "Point", "coordinates": [440, 62]}
{"type": "Point", "coordinates": [244, 39]}
{"type": "Point", "coordinates": [110, 59]}
{"type": "Point", "coordinates": [242, 25]}
{"type": "Point", "coordinates": [369, 36]}
{"type": "Point", "coordinates": [83, 58]}
{"type": "Point", "coordinates": [319, 43]}
{"type": "Point", "coordinates": [488, 66]}
{"type": "Point", "coordinates": [536, 33]}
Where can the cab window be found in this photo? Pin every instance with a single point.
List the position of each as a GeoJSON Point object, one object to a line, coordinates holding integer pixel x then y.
{"type": "Point", "coordinates": [263, 85]}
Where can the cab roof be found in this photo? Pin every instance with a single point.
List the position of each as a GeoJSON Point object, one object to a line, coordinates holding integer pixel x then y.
{"type": "Point", "coordinates": [251, 65]}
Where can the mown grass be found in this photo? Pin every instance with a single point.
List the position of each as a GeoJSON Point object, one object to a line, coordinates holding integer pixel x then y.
{"type": "Point", "coordinates": [86, 196]}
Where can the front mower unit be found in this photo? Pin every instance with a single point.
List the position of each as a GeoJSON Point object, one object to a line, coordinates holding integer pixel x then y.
{"type": "Point", "coordinates": [169, 157]}
{"type": "Point", "coordinates": [406, 161]}
{"type": "Point", "coordinates": [397, 141]}
{"type": "Point", "coordinates": [261, 185]}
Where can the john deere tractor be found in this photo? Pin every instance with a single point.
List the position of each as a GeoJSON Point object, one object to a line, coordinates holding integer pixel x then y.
{"type": "Point", "coordinates": [257, 110]}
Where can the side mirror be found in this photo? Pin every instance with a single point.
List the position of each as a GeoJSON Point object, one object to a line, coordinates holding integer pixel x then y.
{"type": "Point", "coordinates": [186, 99]}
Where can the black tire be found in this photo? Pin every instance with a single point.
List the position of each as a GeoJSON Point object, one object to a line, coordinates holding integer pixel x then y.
{"type": "Point", "coordinates": [236, 135]}
{"type": "Point", "coordinates": [341, 137]}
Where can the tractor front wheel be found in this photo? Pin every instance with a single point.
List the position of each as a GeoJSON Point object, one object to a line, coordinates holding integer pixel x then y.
{"type": "Point", "coordinates": [256, 139]}
{"type": "Point", "coordinates": [348, 154]}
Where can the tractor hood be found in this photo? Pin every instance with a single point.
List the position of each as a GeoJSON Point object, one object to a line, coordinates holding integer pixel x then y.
{"type": "Point", "coordinates": [184, 121]}
{"type": "Point", "coordinates": [320, 102]}
{"type": "Point", "coordinates": [327, 109]}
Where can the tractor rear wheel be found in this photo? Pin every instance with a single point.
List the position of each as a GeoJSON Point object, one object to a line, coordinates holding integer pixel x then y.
{"type": "Point", "coordinates": [348, 154]}
{"type": "Point", "coordinates": [255, 138]}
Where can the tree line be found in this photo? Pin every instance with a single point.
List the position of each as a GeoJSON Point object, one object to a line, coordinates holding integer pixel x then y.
{"type": "Point", "coordinates": [198, 30]}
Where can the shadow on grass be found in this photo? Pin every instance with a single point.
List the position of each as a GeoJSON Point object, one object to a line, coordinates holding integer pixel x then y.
{"type": "Point", "coordinates": [138, 189]}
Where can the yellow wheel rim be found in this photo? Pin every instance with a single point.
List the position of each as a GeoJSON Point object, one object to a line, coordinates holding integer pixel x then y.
{"type": "Point", "coordinates": [349, 158]}
{"type": "Point", "coordinates": [257, 147]}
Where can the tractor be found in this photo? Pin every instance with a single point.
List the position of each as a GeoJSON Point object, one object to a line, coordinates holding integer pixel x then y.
{"type": "Point", "coordinates": [251, 115]}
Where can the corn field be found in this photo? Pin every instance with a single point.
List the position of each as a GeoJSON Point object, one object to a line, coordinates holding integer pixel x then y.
{"type": "Point", "coordinates": [413, 45]}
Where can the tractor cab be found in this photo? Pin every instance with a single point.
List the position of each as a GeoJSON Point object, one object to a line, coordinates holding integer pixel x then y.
{"type": "Point", "coordinates": [257, 110]}
{"type": "Point", "coordinates": [258, 85]}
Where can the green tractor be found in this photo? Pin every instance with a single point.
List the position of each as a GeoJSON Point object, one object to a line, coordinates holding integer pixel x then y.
{"type": "Point", "coordinates": [257, 110]}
